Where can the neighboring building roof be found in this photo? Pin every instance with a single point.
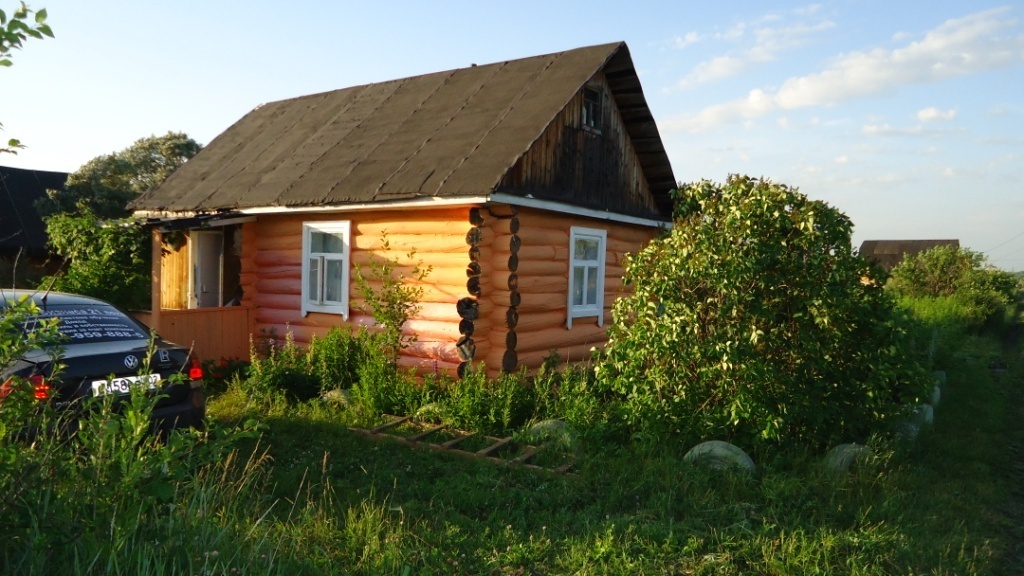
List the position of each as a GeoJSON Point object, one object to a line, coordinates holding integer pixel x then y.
{"type": "Point", "coordinates": [444, 135]}
{"type": "Point", "coordinates": [889, 253]}
{"type": "Point", "coordinates": [21, 227]}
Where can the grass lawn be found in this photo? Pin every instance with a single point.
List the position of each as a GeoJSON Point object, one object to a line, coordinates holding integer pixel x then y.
{"type": "Point", "coordinates": [330, 501]}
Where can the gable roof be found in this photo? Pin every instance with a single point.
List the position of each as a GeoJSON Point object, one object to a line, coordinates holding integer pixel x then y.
{"type": "Point", "coordinates": [443, 135]}
{"type": "Point", "coordinates": [889, 253]}
{"type": "Point", "coordinates": [21, 227]}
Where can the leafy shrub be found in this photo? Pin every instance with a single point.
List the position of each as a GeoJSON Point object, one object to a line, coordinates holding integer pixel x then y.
{"type": "Point", "coordinates": [572, 394]}
{"type": "Point", "coordinates": [390, 295]}
{"type": "Point", "coordinates": [302, 374]}
{"type": "Point", "coordinates": [381, 387]}
{"type": "Point", "coordinates": [959, 283]}
{"type": "Point", "coordinates": [217, 373]}
{"type": "Point", "coordinates": [108, 260]}
{"type": "Point", "coordinates": [490, 406]}
{"type": "Point", "coordinates": [750, 321]}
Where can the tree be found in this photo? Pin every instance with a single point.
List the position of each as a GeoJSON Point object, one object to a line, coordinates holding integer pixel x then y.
{"type": "Point", "coordinates": [751, 321]}
{"type": "Point", "coordinates": [960, 278]}
{"type": "Point", "coordinates": [108, 256]}
{"type": "Point", "coordinates": [22, 24]}
{"type": "Point", "coordinates": [104, 185]}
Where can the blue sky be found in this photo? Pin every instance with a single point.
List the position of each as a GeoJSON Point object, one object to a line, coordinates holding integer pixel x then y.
{"type": "Point", "coordinates": [908, 119]}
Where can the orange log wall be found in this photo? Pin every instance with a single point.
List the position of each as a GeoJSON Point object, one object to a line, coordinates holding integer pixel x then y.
{"type": "Point", "coordinates": [529, 276]}
{"type": "Point", "coordinates": [271, 276]}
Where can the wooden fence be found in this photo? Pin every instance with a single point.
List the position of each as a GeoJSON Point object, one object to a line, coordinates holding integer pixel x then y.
{"type": "Point", "coordinates": [213, 333]}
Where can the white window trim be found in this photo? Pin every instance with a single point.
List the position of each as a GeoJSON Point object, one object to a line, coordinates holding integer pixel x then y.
{"type": "Point", "coordinates": [597, 309]}
{"type": "Point", "coordinates": [344, 228]}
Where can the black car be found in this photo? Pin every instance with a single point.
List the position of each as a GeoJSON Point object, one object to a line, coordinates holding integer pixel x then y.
{"type": "Point", "coordinates": [105, 352]}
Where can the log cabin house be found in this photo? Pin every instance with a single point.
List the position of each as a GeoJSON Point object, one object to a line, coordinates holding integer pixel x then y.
{"type": "Point", "coordinates": [521, 183]}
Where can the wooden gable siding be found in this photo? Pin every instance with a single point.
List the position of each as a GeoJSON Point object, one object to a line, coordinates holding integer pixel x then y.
{"type": "Point", "coordinates": [584, 166]}
{"type": "Point", "coordinates": [272, 276]}
{"type": "Point", "coordinates": [529, 280]}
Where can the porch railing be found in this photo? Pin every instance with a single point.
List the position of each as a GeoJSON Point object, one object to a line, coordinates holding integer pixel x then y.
{"type": "Point", "coordinates": [213, 333]}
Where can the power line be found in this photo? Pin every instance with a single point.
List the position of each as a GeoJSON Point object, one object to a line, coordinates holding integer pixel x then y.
{"type": "Point", "coordinates": [1004, 243]}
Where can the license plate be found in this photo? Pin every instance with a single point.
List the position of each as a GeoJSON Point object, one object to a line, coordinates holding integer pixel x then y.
{"type": "Point", "coordinates": [124, 385]}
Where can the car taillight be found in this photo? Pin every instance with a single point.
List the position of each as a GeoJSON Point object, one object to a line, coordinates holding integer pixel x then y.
{"type": "Point", "coordinates": [196, 371]}
{"type": "Point", "coordinates": [40, 389]}
{"type": "Point", "coordinates": [6, 388]}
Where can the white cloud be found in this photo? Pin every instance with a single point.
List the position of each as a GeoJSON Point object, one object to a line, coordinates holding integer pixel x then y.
{"type": "Point", "coordinates": [887, 130]}
{"type": "Point", "coordinates": [929, 114]}
{"type": "Point", "coordinates": [842, 160]}
{"type": "Point", "coordinates": [958, 47]}
{"type": "Point", "coordinates": [685, 40]}
{"type": "Point", "coordinates": [769, 42]}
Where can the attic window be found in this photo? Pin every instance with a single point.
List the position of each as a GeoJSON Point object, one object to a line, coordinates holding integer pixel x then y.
{"type": "Point", "coordinates": [591, 109]}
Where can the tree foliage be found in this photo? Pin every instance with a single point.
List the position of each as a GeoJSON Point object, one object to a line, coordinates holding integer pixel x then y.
{"type": "Point", "coordinates": [107, 255]}
{"type": "Point", "coordinates": [959, 276]}
{"type": "Point", "coordinates": [22, 24]}
{"type": "Point", "coordinates": [106, 184]}
{"type": "Point", "coordinates": [751, 321]}
{"type": "Point", "coordinates": [105, 259]}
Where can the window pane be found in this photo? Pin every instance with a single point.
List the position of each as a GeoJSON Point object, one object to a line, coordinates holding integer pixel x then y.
{"type": "Point", "coordinates": [577, 286]}
{"type": "Point", "coordinates": [333, 282]}
{"type": "Point", "coordinates": [586, 249]}
{"type": "Point", "coordinates": [326, 242]}
{"type": "Point", "coordinates": [592, 285]}
{"type": "Point", "coordinates": [313, 281]}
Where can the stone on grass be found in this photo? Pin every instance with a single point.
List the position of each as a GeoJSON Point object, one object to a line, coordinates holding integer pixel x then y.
{"type": "Point", "coordinates": [841, 457]}
{"type": "Point", "coordinates": [924, 415]}
{"type": "Point", "coordinates": [907, 431]}
{"type": "Point", "coordinates": [936, 395]}
{"type": "Point", "coordinates": [338, 396]}
{"type": "Point", "coordinates": [719, 455]}
{"type": "Point", "coordinates": [553, 430]}
{"type": "Point", "coordinates": [431, 412]}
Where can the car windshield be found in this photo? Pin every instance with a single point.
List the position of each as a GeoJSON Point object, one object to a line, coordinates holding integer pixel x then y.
{"type": "Point", "coordinates": [88, 323]}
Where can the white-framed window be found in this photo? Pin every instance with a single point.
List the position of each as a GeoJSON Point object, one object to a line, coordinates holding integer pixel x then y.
{"type": "Point", "coordinates": [586, 274]}
{"type": "Point", "coordinates": [325, 267]}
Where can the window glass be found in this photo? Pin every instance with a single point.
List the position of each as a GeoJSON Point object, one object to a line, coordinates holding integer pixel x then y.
{"type": "Point", "coordinates": [586, 274]}
{"type": "Point", "coordinates": [333, 282]}
{"type": "Point", "coordinates": [324, 242]}
{"type": "Point", "coordinates": [325, 269]}
{"type": "Point", "coordinates": [577, 291]}
{"type": "Point", "coordinates": [313, 280]}
{"type": "Point", "coordinates": [88, 323]}
{"type": "Point", "coordinates": [592, 285]}
{"type": "Point", "coordinates": [586, 248]}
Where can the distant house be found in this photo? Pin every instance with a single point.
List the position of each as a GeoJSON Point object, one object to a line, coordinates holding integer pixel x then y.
{"type": "Point", "coordinates": [23, 242]}
{"type": "Point", "coordinates": [889, 253]}
{"type": "Point", "coordinates": [521, 183]}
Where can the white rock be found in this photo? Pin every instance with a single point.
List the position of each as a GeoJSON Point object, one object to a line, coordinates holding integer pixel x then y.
{"type": "Point", "coordinates": [924, 415]}
{"type": "Point", "coordinates": [840, 457]}
{"type": "Point", "coordinates": [720, 455]}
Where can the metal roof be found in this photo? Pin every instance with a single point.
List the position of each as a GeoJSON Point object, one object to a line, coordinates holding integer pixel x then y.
{"type": "Point", "coordinates": [443, 135]}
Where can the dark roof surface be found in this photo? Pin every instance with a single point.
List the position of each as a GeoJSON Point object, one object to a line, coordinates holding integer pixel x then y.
{"type": "Point", "coordinates": [889, 253]}
{"type": "Point", "coordinates": [21, 227]}
{"type": "Point", "coordinates": [444, 135]}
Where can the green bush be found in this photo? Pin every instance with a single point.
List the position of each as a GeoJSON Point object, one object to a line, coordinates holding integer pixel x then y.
{"type": "Point", "coordinates": [302, 374]}
{"type": "Point", "coordinates": [949, 285]}
{"type": "Point", "coordinates": [490, 406]}
{"type": "Point", "coordinates": [382, 388]}
{"type": "Point", "coordinates": [753, 321]}
{"type": "Point", "coordinates": [108, 260]}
